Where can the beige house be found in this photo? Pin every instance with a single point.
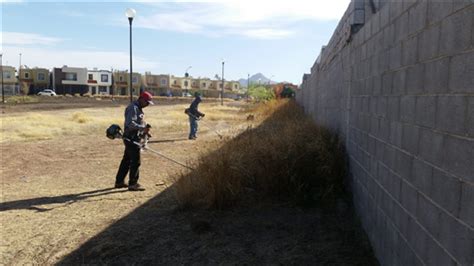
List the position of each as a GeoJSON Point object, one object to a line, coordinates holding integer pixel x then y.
{"type": "Point", "coordinates": [33, 80]}
{"type": "Point", "coordinates": [10, 86]}
{"type": "Point", "coordinates": [121, 83]}
{"type": "Point", "coordinates": [156, 84]}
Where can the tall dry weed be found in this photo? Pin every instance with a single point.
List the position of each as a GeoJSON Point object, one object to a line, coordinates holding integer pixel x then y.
{"type": "Point", "coordinates": [287, 157]}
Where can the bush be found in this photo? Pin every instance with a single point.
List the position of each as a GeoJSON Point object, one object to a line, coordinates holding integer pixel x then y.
{"type": "Point", "coordinates": [261, 93]}
{"type": "Point", "coordinates": [287, 158]}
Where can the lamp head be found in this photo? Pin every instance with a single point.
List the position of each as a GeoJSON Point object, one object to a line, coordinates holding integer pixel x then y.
{"type": "Point", "coordinates": [130, 13]}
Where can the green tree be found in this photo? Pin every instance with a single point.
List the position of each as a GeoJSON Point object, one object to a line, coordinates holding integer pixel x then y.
{"type": "Point", "coordinates": [261, 93]}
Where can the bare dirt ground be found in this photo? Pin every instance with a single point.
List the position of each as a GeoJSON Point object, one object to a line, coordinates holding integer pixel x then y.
{"type": "Point", "coordinates": [57, 205]}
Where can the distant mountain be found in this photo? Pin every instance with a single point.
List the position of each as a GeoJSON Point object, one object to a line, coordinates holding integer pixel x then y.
{"type": "Point", "coordinates": [258, 78]}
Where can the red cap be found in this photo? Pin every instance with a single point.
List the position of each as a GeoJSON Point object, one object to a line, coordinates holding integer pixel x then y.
{"type": "Point", "coordinates": [147, 97]}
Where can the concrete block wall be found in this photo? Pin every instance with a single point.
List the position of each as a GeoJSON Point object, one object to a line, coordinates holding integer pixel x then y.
{"type": "Point", "coordinates": [400, 91]}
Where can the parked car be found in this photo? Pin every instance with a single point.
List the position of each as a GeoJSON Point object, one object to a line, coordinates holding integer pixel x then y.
{"type": "Point", "coordinates": [187, 94]}
{"type": "Point", "coordinates": [47, 93]}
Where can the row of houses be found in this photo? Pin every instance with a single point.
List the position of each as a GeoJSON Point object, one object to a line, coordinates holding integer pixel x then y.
{"type": "Point", "coordinates": [76, 80]}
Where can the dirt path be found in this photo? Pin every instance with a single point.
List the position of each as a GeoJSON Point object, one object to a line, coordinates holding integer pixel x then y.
{"type": "Point", "coordinates": [57, 205]}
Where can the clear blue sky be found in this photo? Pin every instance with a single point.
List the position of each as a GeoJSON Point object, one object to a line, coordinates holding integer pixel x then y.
{"type": "Point", "coordinates": [279, 39]}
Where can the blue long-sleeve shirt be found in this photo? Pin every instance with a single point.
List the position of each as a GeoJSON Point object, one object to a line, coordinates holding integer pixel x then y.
{"type": "Point", "coordinates": [133, 120]}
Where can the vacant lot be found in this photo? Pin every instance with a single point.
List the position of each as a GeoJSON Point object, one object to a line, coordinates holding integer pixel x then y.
{"type": "Point", "coordinates": [58, 205]}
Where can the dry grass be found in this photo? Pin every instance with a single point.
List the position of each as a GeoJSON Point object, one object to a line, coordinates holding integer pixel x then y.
{"type": "Point", "coordinates": [286, 157]}
{"type": "Point", "coordinates": [31, 126]}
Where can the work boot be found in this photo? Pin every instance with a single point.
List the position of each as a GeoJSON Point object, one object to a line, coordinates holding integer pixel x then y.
{"type": "Point", "coordinates": [120, 185]}
{"type": "Point", "coordinates": [136, 187]}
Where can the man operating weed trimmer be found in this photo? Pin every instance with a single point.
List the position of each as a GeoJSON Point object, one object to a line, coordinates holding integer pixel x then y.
{"type": "Point", "coordinates": [194, 115]}
{"type": "Point", "coordinates": [134, 129]}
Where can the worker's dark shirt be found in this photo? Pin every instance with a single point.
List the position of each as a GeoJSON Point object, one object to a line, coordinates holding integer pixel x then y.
{"type": "Point", "coordinates": [193, 108]}
{"type": "Point", "coordinates": [133, 120]}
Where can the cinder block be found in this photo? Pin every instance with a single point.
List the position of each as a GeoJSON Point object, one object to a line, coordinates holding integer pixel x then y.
{"type": "Point", "coordinates": [407, 255]}
{"type": "Point", "coordinates": [394, 188]}
{"type": "Point", "coordinates": [443, 183]}
{"type": "Point", "coordinates": [401, 27]}
{"type": "Point", "coordinates": [409, 197]}
{"type": "Point", "coordinates": [387, 81]}
{"type": "Point", "coordinates": [410, 51]}
{"type": "Point", "coordinates": [417, 16]}
{"type": "Point", "coordinates": [396, 132]}
{"type": "Point", "coordinates": [396, 56]}
{"type": "Point", "coordinates": [428, 215]}
{"type": "Point", "coordinates": [382, 106]}
{"type": "Point", "coordinates": [393, 112]}
{"type": "Point", "coordinates": [407, 109]}
{"type": "Point", "coordinates": [456, 33]}
{"type": "Point", "coordinates": [399, 81]}
{"type": "Point", "coordinates": [431, 146]}
{"type": "Point", "coordinates": [428, 43]}
{"type": "Point", "coordinates": [437, 10]}
{"type": "Point", "coordinates": [377, 85]}
{"type": "Point", "coordinates": [418, 239]}
{"type": "Point", "coordinates": [421, 176]}
{"type": "Point", "coordinates": [384, 129]}
{"type": "Point", "coordinates": [466, 210]}
{"type": "Point", "coordinates": [451, 114]}
{"type": "Point", "coordinates": [384, 16]}
{"type": "Point", "coordinates": [389, 36]}
{"type": "Point", "coordinates": [435, 255]}
{"type": "Point", "coordinates": [458, 157]}
{"type": "Point", "coordinates": [410, 138]}
{"type": "Point", "coordinates": [415, 79]}
{"type": "Point", "coordinates": [456, 238]}
{"type": "Point", "coordinates": [436, 76]}
{"type": "Point", "coordinates": [425, 111]}
{"type": "Point", "coordinates": [462, 73]}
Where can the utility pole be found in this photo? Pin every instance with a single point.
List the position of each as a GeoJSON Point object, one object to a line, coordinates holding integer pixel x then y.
{"type": "Point", "coordinates": [19, 75]}
{"type": "Point", "coordinates": [3, 90]}
{"type": "Point", "coordinates": [248, 86]}
{"type": "Point", "coordinates": [222, 91]}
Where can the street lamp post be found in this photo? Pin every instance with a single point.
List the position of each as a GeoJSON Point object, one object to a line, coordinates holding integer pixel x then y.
{"type": "Point", "coordinates": [222, 90]}
{"type": "Point", "coordinates": [130, 13]}
{"type": "Point", "coordinates": [3, 90]}
{"type": "Point", "coordinates": [186, 75]}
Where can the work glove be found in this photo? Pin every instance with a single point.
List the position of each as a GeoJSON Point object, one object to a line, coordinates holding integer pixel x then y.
{"type": "Point", "coordinates": [203, 115]}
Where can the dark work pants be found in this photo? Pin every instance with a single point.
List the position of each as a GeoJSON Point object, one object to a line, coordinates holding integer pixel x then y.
{"type": "Point", "coordinates": [130, 161]}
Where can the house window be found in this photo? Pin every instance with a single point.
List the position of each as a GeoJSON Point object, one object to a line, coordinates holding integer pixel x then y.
{"type": "Point", "coordinates": [71, 76]}
{"type": "Point", "coordinates": [235, 86]}
{"type": "Point", "coordinates": [174, 82]}
{"type": "Point", "coordinates": [121, 78]}
{"type": "Point", "coordinates": [91, 77]}
{"type": "Point", "coordinates": [7, 75]}
{"type": "Point", "coordinates": [204, 84]}
{"type": "Point", "coordinates": [163, 81]}
{"type": "Point", "coordinates": [220, 85]}
{"type": "Point", "coordinates": [186, 84]}
{"type": "Point", "coordinates": [102, 89]}
{"type": "Point", "coordinates": [41, 76]}
{"type": "Point", "coordinates": [134, 80]}
{"type": "Point", "coordinates": [27, 75]}
{"type": "Point", "coordinates": [104, 78]}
